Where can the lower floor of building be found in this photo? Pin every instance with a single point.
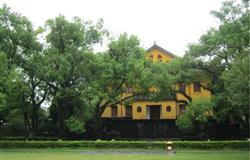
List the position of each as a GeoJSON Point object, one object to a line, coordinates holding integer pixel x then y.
{"type": "Point", "coordinates": [145, 110]}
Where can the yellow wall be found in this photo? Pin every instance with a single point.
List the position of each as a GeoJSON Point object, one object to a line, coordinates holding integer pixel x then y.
{"type": "Point", "coordinates": [163, 104]}
{"type": "Point", "coordinates": [155, 53]}
{"type": "Point", "coordinates": [120, 112]}
{"type": "Point", "coordinates": [107, 113]}
{"type": "Point", "coordinates": [202, 93]}
{"type": "Point", "coordinates": [143, 104]}
{"type": "Point", "coordinates": [190, 92]}
{"type": "Point", "coordinates": [143, 113]}
{"type": "Point", "coordinates": [169, 115]}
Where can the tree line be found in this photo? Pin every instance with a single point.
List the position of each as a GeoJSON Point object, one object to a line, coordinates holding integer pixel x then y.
{"type": "Point", "coordinates": [53, 83]}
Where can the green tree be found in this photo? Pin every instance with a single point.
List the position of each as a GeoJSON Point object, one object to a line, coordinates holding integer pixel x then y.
{"type": "Point", "coordinates": [110, 73]}
{"type": "Point", "coordinates": [75, 125]}
{"type": "Point", "coordinates": [195, 118]}
{"type": "Point", "coordinates": [17, 38]}
{"type": "Point", "coordinates": [19, 107]}
{"type": "Point", "coordinates": [19, 44]}
{"type": "Point", "coordinates": [67, 58]}
{"type": "Point", "coordinates": [216, 56]}
{"type": "Point", "coordinates": [32, 76]}
{"type": "Point", "coordinates": [3, 84]}
{"type": "Point", "coordinates": [237, 89]}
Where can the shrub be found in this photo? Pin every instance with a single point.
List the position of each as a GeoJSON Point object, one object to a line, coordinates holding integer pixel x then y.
{"type": "Point", "coordinates": [75, 125]}
{"type": "Point", "coordinates": [127, 144]}
{"type": "Point", "coordinates": [113, 135]}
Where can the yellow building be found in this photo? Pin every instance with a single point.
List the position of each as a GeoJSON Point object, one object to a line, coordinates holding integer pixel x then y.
{"type": "Point", "coordinates": [141, 109]}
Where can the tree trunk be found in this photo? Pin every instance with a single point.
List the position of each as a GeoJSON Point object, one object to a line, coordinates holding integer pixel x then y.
{"type": "Point", "coordinates": [26, 128]}
{"type": "Point", "coordinates": [60, 128]}
{"type": "Point", "coordinates": [34, 120]}
{"type": "Point", "coordinates": [98, 122]}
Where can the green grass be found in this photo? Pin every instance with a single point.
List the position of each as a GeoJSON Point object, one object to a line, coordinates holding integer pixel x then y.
{"type": "Point", "coordinates": [120, 154]}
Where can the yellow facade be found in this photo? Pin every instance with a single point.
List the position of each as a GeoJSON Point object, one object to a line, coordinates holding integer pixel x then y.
{"type": "Point", "coordinates": [190, 92]}
{"type": "Point", "coordinates": [156, 53]}
{"type": "Point", "coordinates": [168, 109]}
{"type": "Point", "coordinates": [120, 112]}
{"type": "Point", "coordinates": [164, 114]}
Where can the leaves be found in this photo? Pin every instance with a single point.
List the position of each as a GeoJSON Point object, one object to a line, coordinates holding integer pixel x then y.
{"type": "Point", "coordinates": [221, 59]}
{"type": "Point", "coordinates": [75, 125]}
{"type": "Point", "coordinates": [198, 110]}
{"type": "Point", "coordinates": [17, 39]}
{"type": "Point", "coordinates": [237, 89]}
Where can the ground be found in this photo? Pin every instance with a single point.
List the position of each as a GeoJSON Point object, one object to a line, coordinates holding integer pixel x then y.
{"type": "Point", "coordinates": [120, 154]}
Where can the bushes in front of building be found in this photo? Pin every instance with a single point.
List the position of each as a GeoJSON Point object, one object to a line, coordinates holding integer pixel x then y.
{"type": "Point", "coordinates": [212, 144]}
{"type": "Point", "coordinates": [127, 144]}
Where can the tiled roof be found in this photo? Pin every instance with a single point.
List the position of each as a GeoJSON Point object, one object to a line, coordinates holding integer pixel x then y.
{"type": "Point", "coordinates": [155, 46]}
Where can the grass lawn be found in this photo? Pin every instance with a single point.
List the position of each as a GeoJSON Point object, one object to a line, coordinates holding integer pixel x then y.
{"type": "Point", "coordinates": [120, 154]}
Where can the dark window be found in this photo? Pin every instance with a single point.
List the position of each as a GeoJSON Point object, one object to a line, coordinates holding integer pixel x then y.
{"type": "Point", "coordinates": [129, 111]}
{"type": "Point", "coordinates": [151, 56]}
{"type": "Point", "coordinates": [129, 90]}
{"type": "Point", "coordinates": [139, 109]}
{"type": "Point", "coordinates": [182, 87]}
{"type": "Point", "coordinates": [159, 57]}
{"type": "Point", "coordinates": [114, 86]}
{"type": "Point", "coordinates": [182, 108]}
{"type": "Point", "coordinates": [141, 98]}
{"type": "Point", "coordinates": [138, 97]}
{"type": "Point", "coordinates": [197, 87]}
{"type": "Point", "coordinates": [168, 108]}
{"type": "Point", "coordinates": [155, 112]}
{"type": "Point", "coordinates": [114, 111]}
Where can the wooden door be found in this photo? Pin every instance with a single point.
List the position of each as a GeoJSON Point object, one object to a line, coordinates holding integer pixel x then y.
{"type": "Point", "coordinates": [114, 111]}
{"type": "Point", "coordinates": [155, 112]}
{"type": "Point", "coordinates": [129, 111]}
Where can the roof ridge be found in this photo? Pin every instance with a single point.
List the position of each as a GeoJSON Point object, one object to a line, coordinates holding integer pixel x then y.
{"type": "Point", "coordinates": [155, 46]}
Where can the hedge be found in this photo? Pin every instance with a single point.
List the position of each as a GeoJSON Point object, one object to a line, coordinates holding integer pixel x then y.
{"type": "Point", "coordinates": [127, 144]}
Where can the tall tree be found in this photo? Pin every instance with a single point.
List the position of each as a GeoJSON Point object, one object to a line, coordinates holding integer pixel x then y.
{"type": "Point", "coordinates": [237, 89]}
{"type": "Point", "coordinates": [216, 55]}
{"type": "Point", "coordinates": [19, 106]}
{"type": "Point", "coordinates": [32, 76]}
{"type": "Point", "coordinates": [20, 45]}
{"type": "Point", "coordinates": [3, 84]}
{"type": "Point", "coordinates": [68, 55]}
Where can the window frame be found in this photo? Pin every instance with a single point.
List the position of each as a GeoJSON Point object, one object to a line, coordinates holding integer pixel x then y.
{"type": "Point", "coordinates": [197, 86]}
{"type": "Point", "coordinates": [129, 90]}
{"type": "Point", "coordinates": [182, 87]}
{"type": "Point", "coordinates": [114, 111]}
{"type": "Point", "coordinates": [130, 113]}
{"type": "Point", "coordinates": [168, 108]}
{"type": "Point", "coordinates": [139, 109]}
{"type": "Point", "coordinates": [159, 57]}
{"type": "Point", "coordinates": [151, 56]}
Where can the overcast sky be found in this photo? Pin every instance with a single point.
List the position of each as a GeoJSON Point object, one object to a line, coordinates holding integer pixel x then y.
{"type": "Point", "coordinates": [171, 23]}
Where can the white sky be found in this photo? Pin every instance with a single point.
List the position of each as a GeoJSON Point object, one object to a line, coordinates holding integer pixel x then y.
{"type": "Point", "coordinates": [171, 23]}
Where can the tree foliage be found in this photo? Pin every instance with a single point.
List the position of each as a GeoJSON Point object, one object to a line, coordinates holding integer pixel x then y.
{"type": "Point", "coordinates": [75, 125]}
{"type": "Point", "coordinates": [68, 59]}
{"type": "Point", "coordinates": [222, 57]}
{"type": "Point", "coordinates": [198, 111]}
